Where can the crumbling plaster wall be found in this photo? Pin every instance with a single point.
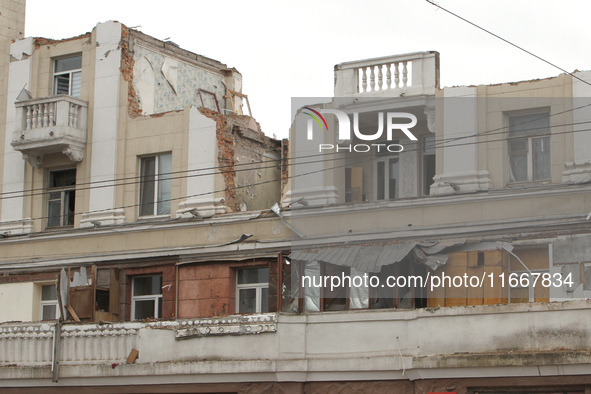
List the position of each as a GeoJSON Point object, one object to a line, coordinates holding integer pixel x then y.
{"type": "Point", "coordinates": [249, 162]}
{"type": "Point", "coordinates": [157, 93]}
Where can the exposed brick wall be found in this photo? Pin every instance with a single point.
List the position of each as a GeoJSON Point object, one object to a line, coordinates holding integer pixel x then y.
{"type": "Point", "coordinates": [29, 277]}
{"type": "Point", "coordinates": [127, 63]}
{"type": "Point", "coordinates": [168, 293]}
{"type": "Point", "coordinates": [38, 42]}
{"type": "Point", "coordinates": [230, 134]}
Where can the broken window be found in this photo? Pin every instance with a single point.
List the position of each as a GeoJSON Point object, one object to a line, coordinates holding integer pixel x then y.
{"type": "Point", "coordinates": [67, 76]}
{"type": "Point", "coordinates": [155, 185]}
{"type": "Point", "coordinates": [61, 198]}
{"type": "Point", "coordinates": [146, 297]}
{"type": "Point", "coordinates": [49, 303]}
{"type": "Point", "coordinates": [252, 290]}
{"type": "Point", "coordinates": [330, 287]}
{"type": "Point", "coordinates": [529, 147]}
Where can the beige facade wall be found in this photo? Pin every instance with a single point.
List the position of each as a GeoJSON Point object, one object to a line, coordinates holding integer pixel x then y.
{"type": "Point", "coordinates": [496, 103]}
{"type": "Point", "coordinates": [28, 295]}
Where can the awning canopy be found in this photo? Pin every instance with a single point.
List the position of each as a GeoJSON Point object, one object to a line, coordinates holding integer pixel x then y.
{"type": "Point", "coordinates": [371, 258]}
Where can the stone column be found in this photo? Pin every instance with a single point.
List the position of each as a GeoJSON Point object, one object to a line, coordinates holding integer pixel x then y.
{"type": "Point", "coordinates": [579, 170]}
{"type": "Point", "coordinates": [105, 127]}
{"type": "Point", "coordinates": [308, 166]}
{"type": "Point", "coordinates": [460, 164]}
{"type": "Point", "coordinates": [19, 77]}
{"type": "Point", "coordinates": [203, 153]}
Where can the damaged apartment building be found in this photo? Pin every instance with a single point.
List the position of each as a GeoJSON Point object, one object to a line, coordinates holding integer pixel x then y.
{"type": "Point", "coordinates": [153, 239]}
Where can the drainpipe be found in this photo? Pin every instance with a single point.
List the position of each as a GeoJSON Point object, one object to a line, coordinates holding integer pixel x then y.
{"type": "Point", "coordinates": [55, 355]}
{"type": "Point", "coordinates": [176, 298]}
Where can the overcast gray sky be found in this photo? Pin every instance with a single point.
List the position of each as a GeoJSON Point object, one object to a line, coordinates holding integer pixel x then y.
{"type": "Point", "coordinates": [288, 49]}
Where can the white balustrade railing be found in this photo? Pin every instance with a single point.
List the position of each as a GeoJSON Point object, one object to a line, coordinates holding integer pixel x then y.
{"type": "Point", "coordinates": [32, 343]}
{"type": "Point", "coordinates": [413, 73]}
{"type": "Point", "coordinates": [52, 111]}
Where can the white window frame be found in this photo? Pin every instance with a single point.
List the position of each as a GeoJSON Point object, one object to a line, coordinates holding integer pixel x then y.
{"type": "Point", "coordinates": [43, 302]}
{"type": "Point", "coordinates": [521, 270]}
{"type": "Point", "coordinates": [149, 297]}
{"type": "Point", "coordinates": [158, 178]}
{"type": "Point", "coordinates": [62, 190]}
{"type": "Point", "coordinates": [67, 72]}
{"type": "Point", "coordinates": [257, 286]}
{"type": "Point", "coordinates": [529, 153]}
{"type": "Point", "coordinates": [386, 160]}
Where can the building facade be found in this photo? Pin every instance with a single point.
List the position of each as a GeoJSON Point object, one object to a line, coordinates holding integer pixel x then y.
{"type": "Point", "coordinates": [155, 240]}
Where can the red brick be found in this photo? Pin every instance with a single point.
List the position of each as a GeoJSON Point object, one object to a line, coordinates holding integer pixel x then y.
{"type": "Point", "coordinates": [202, 308]}
{"type": "Point", "coordinates": [186, 272]}
{"type": "Point", "coordinates": [203, 289]}
{"type": "Point", "coordinates": [168, 309]}
{"type": "Point", "coordinates": [220, 307]}
{"type": "Point", "coordinates": [188, 289]}
{"type": "Point", "coordinates": [220, 288]}
{"type": "Point", "coordinates": [186, 309]}
{"type": "Point", "coordinates": [202, 272]}
{"type": "Point", "coordinates": [220, 270]}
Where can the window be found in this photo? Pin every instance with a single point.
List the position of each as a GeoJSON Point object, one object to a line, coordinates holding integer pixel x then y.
{"type": "Point", "coordinates": [528, 266]}
{"type": "Point", "coordinates": [352, 291]}
{"type": "Point", "coordinates": [61, 198]}
{"type": "Point", "coordinates": [49, 304]}
{"type": "Point", "coordinates": [67, 76]}
{"type": "Point", "coordinates": [146, 297]}
{"type": "Point", "coordinates": [529, 147]}
{"type": "Point", "coordinates": [428, 163]}
{"type": "Point", "coordinates": [387, 177]}
{"type": "Point", "coordinates": [155, 185]}
{"type": "Point", "coordinates": [252, 290]}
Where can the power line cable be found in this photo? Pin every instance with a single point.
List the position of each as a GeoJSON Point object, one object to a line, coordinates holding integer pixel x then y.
{"type": "Point", "coordinates": [507, 41]}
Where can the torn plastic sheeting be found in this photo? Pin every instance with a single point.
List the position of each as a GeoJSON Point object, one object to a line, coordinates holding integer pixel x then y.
{"type": "Point", "coordinates": [371, 258]}
{"type": "Point", "coordinates": [363, 258]}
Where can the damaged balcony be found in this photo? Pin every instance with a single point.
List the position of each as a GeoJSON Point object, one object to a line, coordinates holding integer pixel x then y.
{"type": "Point", "coordinates": [434, 343]}
{"type": "Point", "coordinates": [50, 125]}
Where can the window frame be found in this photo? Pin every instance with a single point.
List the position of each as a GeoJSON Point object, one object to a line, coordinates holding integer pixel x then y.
{"type": "Point", "coordinates": [428, 152]}
{"type": "Point", "coordinates": [43, 302]}
{"type": "Point", "coordinates": [62, 190]}
{"type": "Point", "coordinates": [149, 297]}
{"type": "Point", "coordinates": [385, 159]}
{"type": "Point", "coordinates": [528, 152]}
{"type": "Point", "coordinates": [70, 74]}
{"type": "Point", "coordinates": [257, 286]}
{"type": "Point", "coordinates": [158, 180]}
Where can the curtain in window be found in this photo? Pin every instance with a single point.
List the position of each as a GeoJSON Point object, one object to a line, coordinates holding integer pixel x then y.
{"type": "Point", "coordinates": [164, 184]}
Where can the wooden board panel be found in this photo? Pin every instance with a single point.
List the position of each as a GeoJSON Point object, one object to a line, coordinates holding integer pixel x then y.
{"type": "Point", "coordinates": [475, 294]}
{"type": "Point", "coordinates": [82, 301]}
{"type": "Point", "coordinates": [456, 296]}
{"type": "Point", "coordinates": [457, 260]}
{"type": "Point", "coordinates": [493, 257]}
{"type": "Point", "coordinates": [114, 291]}
{"type": "Point", "coordinates": [492, 294]}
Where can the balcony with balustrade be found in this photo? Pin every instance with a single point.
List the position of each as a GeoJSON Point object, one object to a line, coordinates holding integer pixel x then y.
{"type": "Point", "coordinates": [409, 74]}
{"type": "Point", "coordinates": [46, 125]}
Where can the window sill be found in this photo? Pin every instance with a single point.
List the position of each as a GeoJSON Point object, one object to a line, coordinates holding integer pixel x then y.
{"type": "Point", "coordinates": [524, 184]}
{"type": "Point", "coordinates": [155, 217]}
